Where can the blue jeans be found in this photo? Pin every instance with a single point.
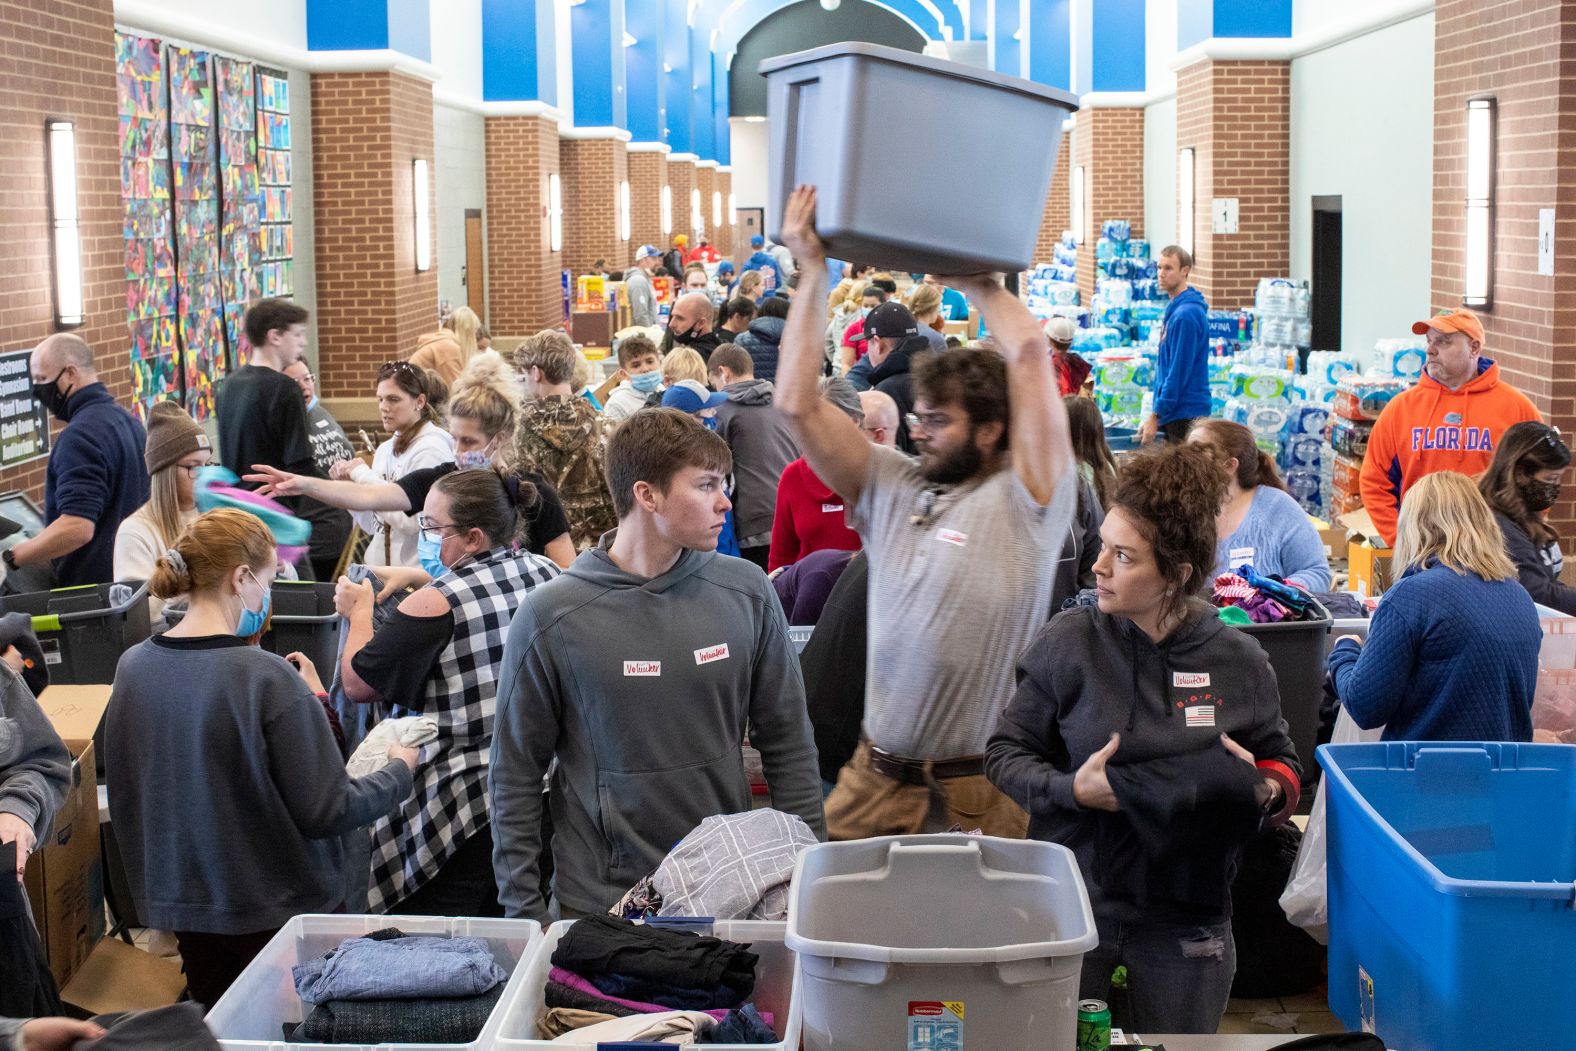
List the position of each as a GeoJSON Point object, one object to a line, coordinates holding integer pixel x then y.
{"type": "Point", "coordinates": [401, 968]}
{"type": "Point", "coordinates": [1178, 975]}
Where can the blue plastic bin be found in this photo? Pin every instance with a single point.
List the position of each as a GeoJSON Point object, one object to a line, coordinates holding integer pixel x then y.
{"type": "Point", "coordinates": [1452, 882]}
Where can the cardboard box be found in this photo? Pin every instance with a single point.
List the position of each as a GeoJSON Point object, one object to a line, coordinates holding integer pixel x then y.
{"type": "Point", "coordinates": [65, 876]}
{"type": "Point", "coordinates": [1333, 537]}
{"type": "Point", "coordinates": [1368, 562]}
{"type": "Point", "coordinates": [118, 977]}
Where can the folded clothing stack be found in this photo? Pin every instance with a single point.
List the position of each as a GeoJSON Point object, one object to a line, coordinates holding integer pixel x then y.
{"type": "Point", "coordinates": [386, 987]}
{"type": "Point", "coordinates": [607, 970]}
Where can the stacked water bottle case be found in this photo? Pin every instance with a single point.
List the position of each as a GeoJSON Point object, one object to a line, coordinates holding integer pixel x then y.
{"type": "Point", "coordinates": [1051, 289]}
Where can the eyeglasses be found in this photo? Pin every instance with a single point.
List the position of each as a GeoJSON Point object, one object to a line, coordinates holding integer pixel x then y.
{"type": "Point", "coordinates": [927, 421]}
{"type": "Point", "coordinates": [431, 530]}
{"type": "Point", "coordinates": [191, 469]}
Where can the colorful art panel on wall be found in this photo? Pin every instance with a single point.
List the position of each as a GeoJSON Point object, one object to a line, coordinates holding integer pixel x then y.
{"type": "Point", "coordinates": [146, 191]}
{"type": "Point", "coordinates": [274, 184]}
{"type": "Point", "coordinates": [195, 162]}
{"type": "Point", "coordinates": [240, 212]}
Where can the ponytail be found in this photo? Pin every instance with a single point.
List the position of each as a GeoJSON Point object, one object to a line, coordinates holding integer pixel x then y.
{"type": "Point", "coordinates": [491, 500]}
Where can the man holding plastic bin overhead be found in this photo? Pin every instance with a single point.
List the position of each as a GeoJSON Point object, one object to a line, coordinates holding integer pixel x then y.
{"type": "Point", "coordinates": [1450, 421]}
{"type": "Point", "coordinates": [993, 486]}
{"type": "Point", "coordinates": [1182, 371]}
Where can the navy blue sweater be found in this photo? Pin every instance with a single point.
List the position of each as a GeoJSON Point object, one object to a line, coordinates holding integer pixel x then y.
{"type": "Point", "coordinates": [1182, 371]}
{"type": "Point", "coordinates": [95, 472]}
{"type": "Point", "coordinates": [1449, 657]}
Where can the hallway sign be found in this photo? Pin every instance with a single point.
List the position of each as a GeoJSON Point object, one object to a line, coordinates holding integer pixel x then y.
{"type": "Point", "coordinates": [24, 424]}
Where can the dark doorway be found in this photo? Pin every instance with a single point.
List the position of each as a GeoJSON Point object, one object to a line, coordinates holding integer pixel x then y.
{"type": "Point", "coordinates": [1326, 277]}
{"type": "Point", "coordinates": [752, 221]}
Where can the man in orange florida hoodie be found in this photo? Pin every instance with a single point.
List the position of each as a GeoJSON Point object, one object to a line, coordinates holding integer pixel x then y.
{"type": "Point", "coordinates": [1450, 421]}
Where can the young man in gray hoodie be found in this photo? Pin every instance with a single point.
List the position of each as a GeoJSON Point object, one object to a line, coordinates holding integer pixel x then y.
{"type": "Point", "coordinates": [762, 444]}
{"type": "Point", "coordinates": [639, 670]}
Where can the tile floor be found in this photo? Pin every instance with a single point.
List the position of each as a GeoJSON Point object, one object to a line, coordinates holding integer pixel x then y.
{"type": "Point", "coordinates": [1302, 1014]}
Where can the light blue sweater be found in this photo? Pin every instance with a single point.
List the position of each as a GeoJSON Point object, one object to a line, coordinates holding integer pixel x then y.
{"type": "Point", "coordinates": [1277, 540]}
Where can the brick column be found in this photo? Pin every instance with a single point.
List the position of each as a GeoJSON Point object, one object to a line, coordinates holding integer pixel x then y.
{"type": "Point", "coordinates": [1058, 206]}
{"type": "Point", "coordinates": [524, 270]}
{"type": "Point", "coordinates": [706, 182]}
{"type": "Point", "coordinates": [1237, 118]}
{"type": "Point", "coordinates": [681, 177]}
{"type": "Point", "coordinates": [60, 62]}
{"type": "Point", "coordinates": [1527, 65]}
{"type": "Point", "coordinates": [648, 174]}
{"type": "Point", "coordinates": [724, 237]}
{"type": "Point", "coordinates": [1109, 145]}
{"type": "Point", "coordinates": [367, 128]}
{"type": "Point", "coordinates": [591, 171]}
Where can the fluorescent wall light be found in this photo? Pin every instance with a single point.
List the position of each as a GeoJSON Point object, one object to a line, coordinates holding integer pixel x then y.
{"type": "Point", "coordinates": [1076, 205]}
{"type": "Point", "coordinates": [733, 210]}
{"type": "Point", "coordinates": [667, 209]}
{"type": "Point", "coordinates": [754, 119]}
{"type": "Point", "coordinates": [623, 210]}
{"type": "Point", "coordinates": [697, 219]}
{"type": "Point", "coordinates": [1185, 199]}
{"type": "Point", "coordinates": [423, 214]}
{"type": "Point", "coordinates": [555, 213]}
{"type": "Point", "coordinates": [1482, 118]}
{"type": "Point", "coordinates": [716, 207]}
{"type": "Point", "coordinates": [65, 228]}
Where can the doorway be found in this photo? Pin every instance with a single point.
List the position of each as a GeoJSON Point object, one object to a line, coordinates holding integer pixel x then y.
{"type": "Point", "coordinates": [752, 221]}
{"type": "Point", "coordinates": [1325, 306]}
{"type": "Point", "coordinates": [474, 273]}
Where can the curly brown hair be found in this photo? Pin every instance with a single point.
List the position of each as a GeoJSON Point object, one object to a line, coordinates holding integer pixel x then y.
{"type": "Point", "coordinates": [1172, 497]}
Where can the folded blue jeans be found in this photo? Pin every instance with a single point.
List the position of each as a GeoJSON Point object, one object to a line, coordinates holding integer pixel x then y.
{"type": "Point", "coordinates": [399, 968]}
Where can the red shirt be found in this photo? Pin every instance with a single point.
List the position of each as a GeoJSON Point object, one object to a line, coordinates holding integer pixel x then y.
{"type": "Point", "coordinates": [809, 517]}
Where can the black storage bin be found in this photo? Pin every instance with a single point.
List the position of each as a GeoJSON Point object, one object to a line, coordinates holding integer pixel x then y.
{"type": "Point", "coordinates": [81, 631]}
{"type": "Point", "coordinates": [1297, 650]}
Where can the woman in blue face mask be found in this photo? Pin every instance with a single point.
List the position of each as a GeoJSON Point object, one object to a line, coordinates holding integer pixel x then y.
{"type": "Point", "coordinates": [438, 656]}
{"type": "Point", "coordinates": [227, 788]}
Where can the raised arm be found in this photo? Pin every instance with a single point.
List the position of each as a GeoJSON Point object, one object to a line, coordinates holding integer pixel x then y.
{"type": "Point", "coordinates": [1039, 440]}
{"type": "Point", "coordinates": [351, 496]}
{"type": "Point", "coordinates": [832, 443]}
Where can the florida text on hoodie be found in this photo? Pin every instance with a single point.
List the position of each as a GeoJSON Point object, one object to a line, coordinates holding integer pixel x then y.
{"type": "Point", "coordinates": [1089, 674]}
{"type": "Point", "coordinates": [1182, 370]}
{"type": "Point", "coordinates": [1433, 428]}
{"type": "Point", "coordinates": [642, 690]}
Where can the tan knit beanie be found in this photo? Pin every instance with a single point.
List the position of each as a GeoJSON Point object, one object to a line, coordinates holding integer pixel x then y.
{"type": "Point", "coordinates": [171, 435]}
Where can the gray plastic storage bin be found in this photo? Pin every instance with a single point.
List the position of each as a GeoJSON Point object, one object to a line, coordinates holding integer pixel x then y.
{"type": "Point", "coordinates": [776, 989]}
{"type": "Point", "coordinates": [887, 194]}
{"type": "Point", "coordinates": [250, 1016]}
{"type": "Point", "coordinates": [301, 618]}
{"type": "Point", "coordinates": [939, 942]}
{"type": "Point", "coordinates": [83, 630]}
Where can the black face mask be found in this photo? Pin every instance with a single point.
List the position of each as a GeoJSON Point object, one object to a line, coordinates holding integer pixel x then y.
{"type": "Point", "coordinates": [48, 395]}
{"type": "Point", "coordinates": [1539, 496]}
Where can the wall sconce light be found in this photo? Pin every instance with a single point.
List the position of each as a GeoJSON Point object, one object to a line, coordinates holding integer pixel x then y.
{"type": "Point", "coordinates": [64, 222]}
{"type": "Point", "coordinates": [623, 210]}
{"type": "Point", "coordinates": [697, 219]}
{"type": "Point", "coordinates": [423, 214]}
{"type": "Point", "coordinates": [1482, 117]}
{"type": "Point", "coordinates": [555, 213]}
{"type": "Point", "coordinates": [716, 207]}
{"type": "Point", "coordinates": [667, 209]}
{"type": "Point", "coordinates": [1076, 209]}
{"type": "Point", "coordinates": [1185, 199]}
{"type": "Point", "coordinates": [733, 210]}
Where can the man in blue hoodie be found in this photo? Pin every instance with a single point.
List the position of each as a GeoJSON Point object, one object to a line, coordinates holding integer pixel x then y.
{"type": "Point", "coordinates": [1182, 373]}
{"type": "Point", "coordinates": [767, 264]}
{"type": "Point", "coordinates": [639, 669]}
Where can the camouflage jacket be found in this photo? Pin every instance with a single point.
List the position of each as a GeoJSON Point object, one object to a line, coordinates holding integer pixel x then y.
{"type": "Point", "coordinates": [561, 437]}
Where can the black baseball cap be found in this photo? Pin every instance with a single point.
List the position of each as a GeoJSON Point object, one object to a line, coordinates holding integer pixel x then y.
{"type": "Point", "coordinates": [891, 320]}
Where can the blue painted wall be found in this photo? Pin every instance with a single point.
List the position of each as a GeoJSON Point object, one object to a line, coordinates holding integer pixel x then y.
{"type": "Point", "coordinates": [722, 133]}
{"type": "Point", "coordinates": [410, 28]}
{"type": "Point", "coordinates": [643, 80]}
{"type": "Point", "coordinates": [1195, 22]}
{"type": "Point", "coordinates": [1199, 20]}
{"type": "Point", "coordinates": [979, 18]}
{"type": "Point", "coordinates": [347, 25]}
{"type": "Point", "coordinates": [1008, 57]}
{"type": "Point", "coordinates": [1050, 42]}
{"type": "Point", "coordinates": [519, 63]}
{"type": "Point", "coordinates": [1117, 46]}
{"type": "Point", "coordinates": [703, 132]}
{"type": "Point", "coordinates": [596, 30]}
{"type": "Point", "coordinates": [676, 54]}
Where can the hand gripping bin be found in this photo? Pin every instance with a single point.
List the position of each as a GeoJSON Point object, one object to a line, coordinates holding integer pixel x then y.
{"type": "Point", "coordinates": [250, 1016]}
{"type": "Point", "coordinates": [886, 194]}
{"type": "Point", "coordinates": [1452, 880]}
{"type": "Point", "coordinates": [939, 943]}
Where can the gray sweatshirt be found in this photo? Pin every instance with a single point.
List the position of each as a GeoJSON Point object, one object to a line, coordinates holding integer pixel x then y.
{"type": "Point", "coordinates": [227, 790]}
{"type": "Point", "coordinates": [762, 444]}
{"type": "Point", "coordinates": [33, 784]}
{"type": "Point", "coordinates": [642, 300]}
{"type": "Point", "coordinates": [643, 691]}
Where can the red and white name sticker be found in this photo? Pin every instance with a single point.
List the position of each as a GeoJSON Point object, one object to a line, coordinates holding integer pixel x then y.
{"type": "Point", "coordinates": [1200, 714]}
{"type": "Point", "coordinates": [952, 536]}
{"type": "Point", "coordinates": [644, 668]}
{"type": "Point", "coordinates": [1189, 680]}
{"type": "Point", "coordinates": [718, 652]}
{"type": "Point", "coordinates": [831, 508]}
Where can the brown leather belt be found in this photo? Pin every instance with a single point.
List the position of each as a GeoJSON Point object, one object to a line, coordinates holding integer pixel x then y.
{"type": "Point", "coordinates": [915, 771]}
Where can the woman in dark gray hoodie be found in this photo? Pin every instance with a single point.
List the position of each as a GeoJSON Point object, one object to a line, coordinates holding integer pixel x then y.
{"type": "Point", "coordinates": [1147, 737]}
